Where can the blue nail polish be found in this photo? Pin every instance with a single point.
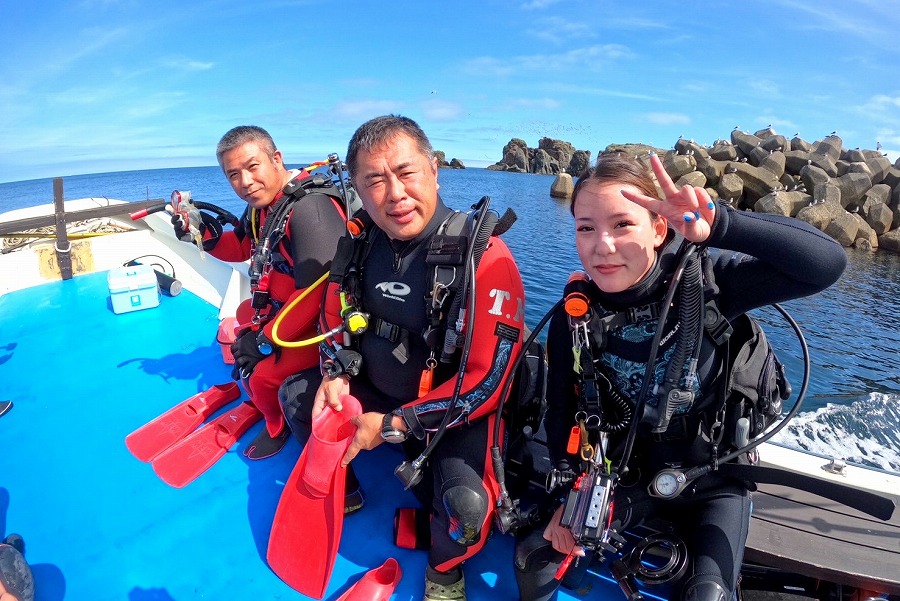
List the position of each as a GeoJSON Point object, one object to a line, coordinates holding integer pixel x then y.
{"type": "Point", "coordinates": [688, 218]}
{"type": "Point", "coordinates": [697, 215]}
{"type": "Point", "coordinates": [711, 205]}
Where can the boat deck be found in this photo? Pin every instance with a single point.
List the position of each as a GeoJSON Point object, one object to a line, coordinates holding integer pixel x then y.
{"type": "Point", "coordinates": [816, 537]}
{"type": "Point", "coordinates": [99, 524]}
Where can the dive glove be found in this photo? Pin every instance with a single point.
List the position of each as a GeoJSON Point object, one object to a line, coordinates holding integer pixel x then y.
{"type": "Point", "coordinates": [186, 220]}
{"type": "Point", "coordinates": [249, 348]}
{"type": "Point", "coordinates": [203, 222]}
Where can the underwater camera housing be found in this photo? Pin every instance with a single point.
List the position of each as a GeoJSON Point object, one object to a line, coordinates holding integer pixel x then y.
{"type": "Point", "coordinates": [588, 511]}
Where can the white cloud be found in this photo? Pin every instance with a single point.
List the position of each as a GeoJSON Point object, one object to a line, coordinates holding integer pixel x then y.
{"type": "Point", "coordinates": [81, 96]}
{"type": "Point", "coordinates": [590, 91]}
{"type": "Point", "coordinates": [883, 102]}
{"type": "Point", "coordinates": [635, 23]}
{"type": "Point", "coordinates": [777, 123]}
{"type": "Point", "coordinates": [534, 103]}
{"type": "Point", "coordinates": [186, 64]}
{"type": "Point", "coordinates": [589, 57]}
{"type": "Point", "coordinates": [539, 4]}
{"type": "Point", "coordinates": [155, 104]}
{"type": "Point", "coordinates": [364, 109]}
{"type": "Point", "coordinates": [95, 4]}
{"type": "Point", "coordinates": [881, 112]}
{"type": "Point", "coordinates": [557, 30]}
{"type": "Point", "coordinates": [441, 110]}
{"type": "Point", "coordinates": [666, 118]}
{"type": "Point", "coordinates": [874, 23]}
{"type": "Point", "coordinates": [765, 87]}
{"type": "Point", "coordinates": [359, 82]}
{"type": "Point", "coordinates": [97, 39]}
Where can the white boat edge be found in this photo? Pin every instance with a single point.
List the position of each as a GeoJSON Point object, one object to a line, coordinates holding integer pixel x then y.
{"type": "Point", "coordinates": [219, 283]}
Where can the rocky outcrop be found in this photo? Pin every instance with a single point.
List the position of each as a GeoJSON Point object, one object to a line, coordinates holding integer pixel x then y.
{"type": "Point", "coordinates": [443, 164]}
{"type": "Point", "coordinates": [551, 157]}
{"type": "Point", "coordinates": [851, 195]}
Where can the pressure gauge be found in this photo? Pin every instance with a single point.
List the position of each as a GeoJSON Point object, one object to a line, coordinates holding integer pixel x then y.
{"type": "Point", "coordinates": [667, 484]}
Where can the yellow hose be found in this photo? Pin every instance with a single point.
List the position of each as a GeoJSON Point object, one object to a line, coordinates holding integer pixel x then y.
{"type": "Point", "coordinates": [287, 309]}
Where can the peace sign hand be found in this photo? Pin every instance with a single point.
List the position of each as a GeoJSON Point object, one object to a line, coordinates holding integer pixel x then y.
{"type": "Point", "coordinates": [690, 211]}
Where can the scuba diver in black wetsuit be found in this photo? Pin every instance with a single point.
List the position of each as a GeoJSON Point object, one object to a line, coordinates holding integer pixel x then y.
{"type": "Point", "coordinates": [602, 407]}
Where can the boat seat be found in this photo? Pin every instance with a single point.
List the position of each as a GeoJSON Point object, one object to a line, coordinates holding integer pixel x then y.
{"type": "Point", "coordinates": [819, 538]}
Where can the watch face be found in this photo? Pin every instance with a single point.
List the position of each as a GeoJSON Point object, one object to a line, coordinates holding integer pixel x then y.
{"type": "Point", "coordinates": [666, 484]}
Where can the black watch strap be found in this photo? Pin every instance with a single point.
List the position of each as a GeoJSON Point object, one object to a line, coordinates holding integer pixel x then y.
{"type": "Point", "coordinates": [388, 432]}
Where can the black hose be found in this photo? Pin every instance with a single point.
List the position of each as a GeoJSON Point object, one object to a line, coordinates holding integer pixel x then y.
{"type": "Point", "coordinates": [804, 349]}
{"type": "Point", "coordinates": [496, 457]}
{"type": "Point", "coordinates": [469, 284]}
{"type": "Point", "coordinates": [221, 214]}
{"type": "Point", "coordinates": [690, 319]}
{"type": "Point", "coordinates": [654, 350]}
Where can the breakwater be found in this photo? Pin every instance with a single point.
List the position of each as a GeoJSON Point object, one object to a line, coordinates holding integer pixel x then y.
{"type": "Point", "coordinates": [851, 195]}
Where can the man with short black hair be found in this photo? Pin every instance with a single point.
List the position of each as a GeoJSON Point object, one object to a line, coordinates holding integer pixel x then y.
{"type": "Point", "coordinates": [406, 378]}
{"type": "Point", "coordinates": [289, 232]}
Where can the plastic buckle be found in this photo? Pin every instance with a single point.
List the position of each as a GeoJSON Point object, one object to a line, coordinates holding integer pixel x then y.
{"type": "Point", "coordinates": [386, 329]}
{"type": "Point", "coordinates": [638, 314]}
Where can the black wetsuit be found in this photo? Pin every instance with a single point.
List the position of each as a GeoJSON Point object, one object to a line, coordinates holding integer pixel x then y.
{"type": "Point", "coordinates": [395, 280]}
{"type": "Point", "coordinates": [763, 259]}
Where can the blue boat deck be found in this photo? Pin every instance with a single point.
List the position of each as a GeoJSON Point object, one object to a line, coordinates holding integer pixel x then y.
{"type": "Point", "coordinates": [99, 524]}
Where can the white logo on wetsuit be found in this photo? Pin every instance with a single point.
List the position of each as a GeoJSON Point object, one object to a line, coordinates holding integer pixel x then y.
{"type": "Point", "coordinates": [394, 290]}
{"type": "Point", "coordinates": [500, 297]}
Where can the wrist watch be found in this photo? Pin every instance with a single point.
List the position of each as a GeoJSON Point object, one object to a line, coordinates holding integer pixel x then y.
{"type": "Point", "coordinates": [388, 432]}
{"type": "Point", "coordinates": [264, 345]}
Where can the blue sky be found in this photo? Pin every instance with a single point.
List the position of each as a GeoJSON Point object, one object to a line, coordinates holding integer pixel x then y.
{"type": "Point", "coordinates": [93, 86]}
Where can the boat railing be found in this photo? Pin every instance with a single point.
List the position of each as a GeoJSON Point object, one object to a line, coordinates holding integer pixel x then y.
{"type": "Point", "coordinates": [60, 218]}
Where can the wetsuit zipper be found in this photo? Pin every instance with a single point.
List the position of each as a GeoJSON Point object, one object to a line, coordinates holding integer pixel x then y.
{"type": "Point", "coordinates": [400, 253]}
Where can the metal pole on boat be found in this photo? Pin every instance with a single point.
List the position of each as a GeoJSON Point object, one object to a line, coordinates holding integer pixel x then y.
{"type": "Point", "coordinates": [63, 246]}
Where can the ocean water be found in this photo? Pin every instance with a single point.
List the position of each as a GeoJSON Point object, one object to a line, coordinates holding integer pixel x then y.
{"type": "Point", "coordinates": [852, 406]}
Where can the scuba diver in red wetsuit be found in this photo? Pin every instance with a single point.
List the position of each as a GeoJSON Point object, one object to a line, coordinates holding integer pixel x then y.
{"type": "Point", "coordinates": [289, 231]}
{"type": "Point", "coordinates": [414, 384]}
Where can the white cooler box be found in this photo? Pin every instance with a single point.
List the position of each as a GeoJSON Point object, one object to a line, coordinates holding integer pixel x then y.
{"type": "Point", "coordinates": [132, 288]}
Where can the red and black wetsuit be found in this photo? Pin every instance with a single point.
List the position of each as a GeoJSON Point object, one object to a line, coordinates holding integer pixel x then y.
{"type": "Point", "coordinates": [302, 256]}
{"type": "Point", "coordinates": [395, 283]}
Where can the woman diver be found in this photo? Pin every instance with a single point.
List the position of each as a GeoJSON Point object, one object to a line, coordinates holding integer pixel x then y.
{"type": "Point", "coordinates": [639, 252]}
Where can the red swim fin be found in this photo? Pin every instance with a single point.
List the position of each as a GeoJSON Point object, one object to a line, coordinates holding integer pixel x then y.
{"type": "Point", "coordinates": [377, 584]}
{"type": "Point", "coordinates": [306, 531]}
{"type": "Point", "coordinates": [162, 432]}
{"type": "Point", "coordinates": [180, 464]}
